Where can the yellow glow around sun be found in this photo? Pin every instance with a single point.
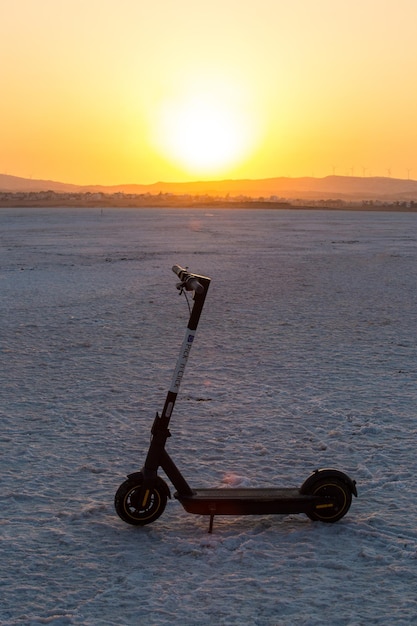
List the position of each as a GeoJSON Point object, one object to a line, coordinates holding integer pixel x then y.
{"type": "Point", "coordinates": [205, 131]}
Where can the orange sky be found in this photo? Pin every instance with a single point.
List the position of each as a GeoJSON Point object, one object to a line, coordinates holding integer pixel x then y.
{"type": "Point", "coordinates": [108, 92]}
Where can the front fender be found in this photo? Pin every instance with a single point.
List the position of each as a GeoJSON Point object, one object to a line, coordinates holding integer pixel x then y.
{"type": "Point", "coordinates": [159, 482]}
{"type": "Point", "coordinates": [330, 473]}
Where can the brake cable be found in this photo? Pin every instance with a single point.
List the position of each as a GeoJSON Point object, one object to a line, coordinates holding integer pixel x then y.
{"type": "Point", "coordinates": [184, 291]}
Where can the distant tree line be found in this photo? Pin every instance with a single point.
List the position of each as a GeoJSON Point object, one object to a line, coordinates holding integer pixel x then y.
{"type": "Point", "coordinates": [101, 199]}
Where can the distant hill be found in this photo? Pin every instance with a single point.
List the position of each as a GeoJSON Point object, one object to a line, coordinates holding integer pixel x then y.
{"type": "Point", "coordinates": [307, 188]}
{"type": "Point", "coordinates": [15, 184]}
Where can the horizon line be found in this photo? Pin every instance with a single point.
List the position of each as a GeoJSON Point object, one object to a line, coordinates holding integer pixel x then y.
{"type": "Point", "coordinates": [212, 180]}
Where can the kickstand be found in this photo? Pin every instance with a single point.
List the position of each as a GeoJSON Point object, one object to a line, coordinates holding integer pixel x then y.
{"type": "Point", "coordinates": [210, 530]}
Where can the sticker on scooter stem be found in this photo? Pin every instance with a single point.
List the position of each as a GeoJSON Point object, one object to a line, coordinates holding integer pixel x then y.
{"type": "Point", "coordinates": [182, 361]}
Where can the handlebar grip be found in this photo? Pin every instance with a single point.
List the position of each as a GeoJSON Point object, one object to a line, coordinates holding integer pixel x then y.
{"type": "Point", "coordinates": [188, 280]}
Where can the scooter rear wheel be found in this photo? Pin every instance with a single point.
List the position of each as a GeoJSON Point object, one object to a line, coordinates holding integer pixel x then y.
{"type": "Point", "coordinates": [337, 500]}
{"type": "Point", "coordinates": [130, 509]}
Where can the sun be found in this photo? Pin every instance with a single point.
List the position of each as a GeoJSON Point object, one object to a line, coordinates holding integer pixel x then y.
{"type": "Point", "coordinates": [205, 131]}
{"type": "Point", "coordinates": [204, 134]}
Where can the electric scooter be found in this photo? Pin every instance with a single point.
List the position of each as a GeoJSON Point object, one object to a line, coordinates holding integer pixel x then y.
{"type": "Point", "coordinates": [326, 495]}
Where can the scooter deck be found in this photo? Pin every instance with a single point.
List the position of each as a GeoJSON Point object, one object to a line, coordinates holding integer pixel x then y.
{"type": "Point", "coordinates": [246, 501]}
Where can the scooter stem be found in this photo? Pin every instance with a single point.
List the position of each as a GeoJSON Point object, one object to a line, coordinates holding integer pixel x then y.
{"type": "Point", "coordinates": [200, 285]}
{"type": "Point", "coordinates": [157, 457]}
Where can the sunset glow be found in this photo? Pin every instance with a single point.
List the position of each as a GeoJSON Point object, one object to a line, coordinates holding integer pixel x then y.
{"type": "Point", "coordinates": [110, 92]}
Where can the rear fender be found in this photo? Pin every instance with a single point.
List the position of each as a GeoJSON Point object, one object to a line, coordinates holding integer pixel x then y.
{"type": "Point", "coordinates": [330, 473]}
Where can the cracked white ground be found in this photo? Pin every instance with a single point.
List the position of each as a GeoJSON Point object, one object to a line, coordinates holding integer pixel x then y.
{"type": "Point", "coordinates": [305, 357]}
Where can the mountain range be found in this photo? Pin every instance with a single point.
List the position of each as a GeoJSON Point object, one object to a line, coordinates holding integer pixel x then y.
{"type": "Point", "coordinates": [353, 188]}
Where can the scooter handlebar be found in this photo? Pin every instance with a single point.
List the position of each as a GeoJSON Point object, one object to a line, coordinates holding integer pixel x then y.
{"type": "Point", "coordinates": [188, 280]}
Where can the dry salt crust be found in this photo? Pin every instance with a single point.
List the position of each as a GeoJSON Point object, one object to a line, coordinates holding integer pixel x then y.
{"type": "Point", "coordinates": [305, 357]}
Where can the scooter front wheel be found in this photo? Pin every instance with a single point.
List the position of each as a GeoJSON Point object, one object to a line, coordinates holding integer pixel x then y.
{"type": "Point", "coordinates": [129, 507]}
